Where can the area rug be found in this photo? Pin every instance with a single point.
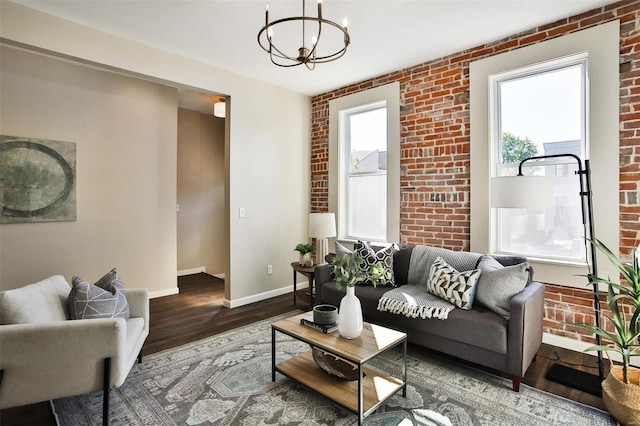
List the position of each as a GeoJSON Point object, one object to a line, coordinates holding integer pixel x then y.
{"type": "Point", "coordinates": [226, 380]}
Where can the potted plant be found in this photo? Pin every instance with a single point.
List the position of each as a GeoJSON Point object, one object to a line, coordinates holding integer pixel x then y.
{"type": "Point", "coordinates": [621, 388]}
{"type": "Point", "coordinates": [348, 271]}
{"type": "Point", "coordinates": [305, 254]}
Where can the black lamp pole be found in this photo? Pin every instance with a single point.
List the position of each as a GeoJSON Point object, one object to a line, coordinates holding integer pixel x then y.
{"type": "Point", "coordinates": [561, 374]}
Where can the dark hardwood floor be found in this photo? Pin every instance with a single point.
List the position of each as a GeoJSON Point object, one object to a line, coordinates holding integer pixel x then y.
{"type": "Point", "coordinates": [197, 312]}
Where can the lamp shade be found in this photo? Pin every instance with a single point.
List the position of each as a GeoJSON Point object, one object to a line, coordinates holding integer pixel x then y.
{"type": "Point", "coordinates": [322, 225]}
{"type": "Point", "coordinates": [522, 192]}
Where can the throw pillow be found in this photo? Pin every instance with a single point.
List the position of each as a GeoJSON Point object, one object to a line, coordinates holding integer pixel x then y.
{"type": "Point", "coordinates": [456, 287]}
{"type": "Point", "coordinates": [498, 284]}
{"type": "Point", "coordinates": [44, 301]}
{"type": "Point", "coordinates": [104, 299]}
{"type": "Point", "coordinates": [372, 257]}
{"type": "Point", "coordinates": [341, 250]}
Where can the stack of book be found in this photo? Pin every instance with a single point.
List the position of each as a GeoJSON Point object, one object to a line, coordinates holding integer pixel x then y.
{"type": "Point", "coordinates": [325, 328]}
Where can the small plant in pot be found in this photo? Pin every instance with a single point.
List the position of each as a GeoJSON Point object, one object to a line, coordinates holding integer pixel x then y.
{"type": "Point", "coordinates": [621, 388]}
{"type": "Point", "coordinates": [305, 254]}
{"type": "Point", "coordinates": [348, 271]}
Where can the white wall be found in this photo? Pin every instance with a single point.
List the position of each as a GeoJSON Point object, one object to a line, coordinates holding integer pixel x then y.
{"type": "Point", "coordinates": [125, 135]}
{"type": "Point", "coordinates": [267, 145]}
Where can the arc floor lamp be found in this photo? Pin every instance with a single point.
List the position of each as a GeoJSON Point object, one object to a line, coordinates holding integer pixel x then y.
{"type": "Point", "coordinates": [535, 192]}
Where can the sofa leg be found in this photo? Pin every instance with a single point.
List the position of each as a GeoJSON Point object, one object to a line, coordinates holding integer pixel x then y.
{"type": "Point", "coordinates": [140, 357]}
{"type": "Point", "coordinates": [1, 374]}
{"type": "Point", "coordinates": [535, 358]}
{"type": "Point", "coordinates": [105, 391]}
{"type": "Point", "coordinates": [516, 383]}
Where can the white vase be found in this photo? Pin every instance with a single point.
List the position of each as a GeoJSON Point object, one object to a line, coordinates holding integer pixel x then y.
{"type": "Point", "coordinates": [350, 315]}
{"type": "Point", "coordinates": [305, 259]}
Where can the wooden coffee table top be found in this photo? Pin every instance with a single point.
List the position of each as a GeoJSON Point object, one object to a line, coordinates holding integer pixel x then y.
{"type": "Point", "coordinates": [373, 340]}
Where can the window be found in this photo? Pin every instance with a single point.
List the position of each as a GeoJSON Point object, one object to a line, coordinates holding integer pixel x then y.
{"type": "Point", "coordinates": [364, 164]}
{"type": "Point", "coordinates": [541, 110]}
{"type": "Point", "coordinates": [363, 144]}
{"type": "Point", "coordinates": [601, 94]}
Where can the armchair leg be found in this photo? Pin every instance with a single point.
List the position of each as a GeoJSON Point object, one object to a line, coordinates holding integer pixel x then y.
{"type": "Point", "coordinates": [140, 357]}
{"type": "Point", "coordinates": [515, 380]}
{"type": "Point", "coordinates": [1, 374]}
{"type": "Point", "coordinates": [105, 391]}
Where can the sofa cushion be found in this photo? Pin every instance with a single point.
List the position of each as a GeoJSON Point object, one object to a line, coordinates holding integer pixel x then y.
{"type": "Point", "coordinates": [451, 285]}
{"type": "Point", "coordinates": [498, 284]}
{"type": "Point", "coordinates": [401, 260]}
{"type": "Point", "coordinates": [44, 301]}
{"type": "Point", "coordinates": [372, 257]}
{"type": "Point", "coordinates": [104, 299]}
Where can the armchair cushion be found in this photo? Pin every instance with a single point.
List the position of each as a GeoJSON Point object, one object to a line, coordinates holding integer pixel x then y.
{"type": "Point", "coordinates": [104, 299]}
{"type": "Point", "coordinates": [44, 301]}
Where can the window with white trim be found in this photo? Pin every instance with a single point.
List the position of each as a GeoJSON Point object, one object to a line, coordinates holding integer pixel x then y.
{"type": "Point", "coordinates": [541, 110]}
{"type": "Point", "coordinates": [364, 164]}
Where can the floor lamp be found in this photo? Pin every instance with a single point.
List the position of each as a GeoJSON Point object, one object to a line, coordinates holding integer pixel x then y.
{"type": "Point", "coordinates": [321, 227]}
{"type": "Point", "coordinates": [535, 192]}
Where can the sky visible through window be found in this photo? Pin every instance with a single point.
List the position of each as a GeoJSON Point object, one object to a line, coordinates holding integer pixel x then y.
{"type": "Point", "coordinates": [544, 107]}
{"type": "Point", "coordinates": [370, 127]}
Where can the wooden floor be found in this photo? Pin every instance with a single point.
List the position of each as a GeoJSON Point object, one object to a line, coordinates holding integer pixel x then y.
{"type": "Point", "coordinates": [197, 312]}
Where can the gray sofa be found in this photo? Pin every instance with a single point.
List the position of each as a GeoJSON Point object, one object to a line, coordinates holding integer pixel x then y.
{"type": "Point", "coordinates": [478, 335]}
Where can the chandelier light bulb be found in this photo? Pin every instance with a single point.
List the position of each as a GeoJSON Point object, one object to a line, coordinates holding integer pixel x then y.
{"type": "Point", "coordinates": [314, 40]}
{"type": "Point", "coordinates": [270, 32]}
{"type": "Point", "coordinates": [345, 23]}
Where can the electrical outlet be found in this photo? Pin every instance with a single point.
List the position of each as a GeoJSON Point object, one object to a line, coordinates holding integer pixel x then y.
{"type": "Point", "coordinates": [242, 212]}
{"type": "Point", "coordinates": [269, 269]}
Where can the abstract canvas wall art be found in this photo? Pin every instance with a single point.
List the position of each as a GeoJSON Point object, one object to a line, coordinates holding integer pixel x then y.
{"type": "Point", "coordinates": [37, 180]}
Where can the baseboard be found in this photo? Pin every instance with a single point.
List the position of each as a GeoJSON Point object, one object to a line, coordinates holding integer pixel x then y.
{"type": "Point", "coordinates": [263, 296]}
{"type": "Point", "coordinates": [191, 271]}
{"type": "Point", "coordinates": [220, 276]}
{"type": "Point", "coordinates": [162, 293]}
{"type": "Point", "coordinates": [576, 345]}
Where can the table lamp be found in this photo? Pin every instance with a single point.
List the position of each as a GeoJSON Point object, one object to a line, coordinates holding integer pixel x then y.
{"type": "Point", "coordinates": [321, 227]}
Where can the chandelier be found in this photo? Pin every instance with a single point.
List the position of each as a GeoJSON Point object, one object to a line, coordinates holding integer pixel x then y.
{"type": "Point", "coordinates": [308, 54]}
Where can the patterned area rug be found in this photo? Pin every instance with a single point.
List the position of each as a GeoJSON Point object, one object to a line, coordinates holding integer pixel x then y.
{"type": "Point", "coordinates": [226, 380]}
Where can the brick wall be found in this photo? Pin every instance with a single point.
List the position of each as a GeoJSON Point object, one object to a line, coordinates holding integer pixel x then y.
{"type": "Point", "coordinates": [435, 138]}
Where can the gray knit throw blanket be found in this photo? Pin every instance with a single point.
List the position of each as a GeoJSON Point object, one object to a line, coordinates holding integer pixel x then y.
{"type": "Point", "coordinates": [413, 300]}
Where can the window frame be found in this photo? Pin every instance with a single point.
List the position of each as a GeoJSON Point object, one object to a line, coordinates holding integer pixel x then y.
{"type": "Point", "coordinates": [602, 44]}
{"type": "Point", "coordinates": [389, 94]}
{"type": "Point", "coordinates": [495, 132]}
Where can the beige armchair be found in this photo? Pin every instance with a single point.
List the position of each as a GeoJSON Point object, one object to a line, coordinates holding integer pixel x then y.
{"type": "Point", "coordinates": [45, 356]}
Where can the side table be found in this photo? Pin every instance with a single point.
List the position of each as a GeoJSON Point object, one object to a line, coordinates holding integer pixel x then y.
{"type": "Point", "coordinates": [309, 272]}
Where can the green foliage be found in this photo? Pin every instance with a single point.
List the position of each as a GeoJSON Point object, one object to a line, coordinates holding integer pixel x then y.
{"type": "Point", "coordinates": [348, 271]}
{"type": "Point", "coordinates": [516, 149]}
{"type": "Point", "coordinates": [625, 340]}
{"type": "Point", "coordinates": [303, 248]}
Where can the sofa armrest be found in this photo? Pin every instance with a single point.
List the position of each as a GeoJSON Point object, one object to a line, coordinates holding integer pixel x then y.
{"type": "Point", "coordinates": [525, 327]}
{"type": "Point", "coordinates": [42, 361]}
{"type": "Point", "coordinates": [323, 274]}
{"type": "Point", "coordinates": [138, 299]}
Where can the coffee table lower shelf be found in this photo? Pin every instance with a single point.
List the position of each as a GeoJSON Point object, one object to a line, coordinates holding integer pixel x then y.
{"type": "Point", "coordinates": [377, 386]}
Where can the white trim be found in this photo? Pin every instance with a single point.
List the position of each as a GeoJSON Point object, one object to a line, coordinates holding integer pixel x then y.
{"type": "Point", "coordinates": [219, 276]}
{"type": "Point", "coordinates": [191, 271]}
{"type": "Point", "coordinates": [162, 293]}
{"type": "Point", "coordinates": [263, 296]}
{"type": "Point", "coordinates": [602, 44]}
{"type": "Point", "coordinates": [578, 346]}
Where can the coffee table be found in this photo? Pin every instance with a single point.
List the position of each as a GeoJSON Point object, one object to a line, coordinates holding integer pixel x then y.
{"type": "Point", "coordinates": [362, 396]}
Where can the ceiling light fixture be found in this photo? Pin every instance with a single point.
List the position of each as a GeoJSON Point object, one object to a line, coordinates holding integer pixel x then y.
{"type": "Point", "coordinates": [309, 56]}
{"type": "Point", "coordinates": [220, 109]}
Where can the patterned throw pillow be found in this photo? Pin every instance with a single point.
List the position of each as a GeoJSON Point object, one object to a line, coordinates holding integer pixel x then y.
{"type": "Point", "coordinates": [104, 299]}
{"type": "Point", "coordinates": [456, 287]}
{"type": "Point", "coordinates": [372, 257]}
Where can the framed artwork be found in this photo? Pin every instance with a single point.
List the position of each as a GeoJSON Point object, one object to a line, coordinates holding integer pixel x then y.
{"type": "Point", "coordinates": [37, 180]}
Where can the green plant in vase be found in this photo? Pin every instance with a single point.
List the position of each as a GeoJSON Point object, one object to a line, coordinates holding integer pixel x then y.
{"type": "Point", "coordinates": [304, 250]}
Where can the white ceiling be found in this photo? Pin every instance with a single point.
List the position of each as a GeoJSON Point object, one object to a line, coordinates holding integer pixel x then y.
{"type": "Point", "coordinates": [386, 35]}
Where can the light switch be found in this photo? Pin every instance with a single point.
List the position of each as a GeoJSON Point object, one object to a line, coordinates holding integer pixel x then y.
{"type": "Point", "coordinates": [241, 212]}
